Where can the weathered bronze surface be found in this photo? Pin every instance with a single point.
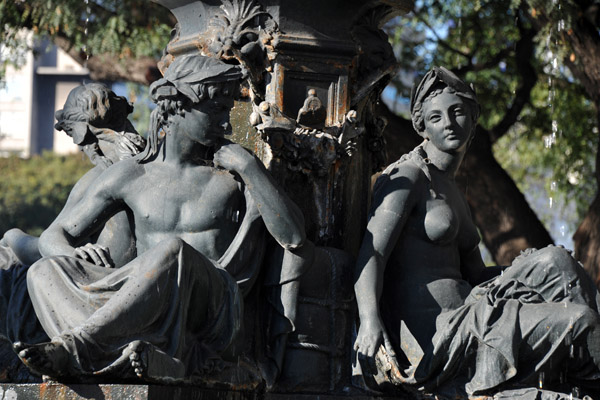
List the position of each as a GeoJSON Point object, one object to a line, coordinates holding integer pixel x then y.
{"type": "Point", "coordinates": [197, 262]}
{"type": "Point", "coordinates": [432, 316]}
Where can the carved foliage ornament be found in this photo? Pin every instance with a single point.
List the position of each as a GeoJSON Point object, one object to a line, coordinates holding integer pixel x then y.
{"type": "Point", "coordinates": [242, 31]}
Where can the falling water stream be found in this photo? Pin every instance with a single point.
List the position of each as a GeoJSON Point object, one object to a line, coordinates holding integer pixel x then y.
{"type": "Point", "coordinates": [555, 134]}
{"type": "Point", "coordinates": [550, 141]}
{"type": "Point", "coordinates": [84, 48]}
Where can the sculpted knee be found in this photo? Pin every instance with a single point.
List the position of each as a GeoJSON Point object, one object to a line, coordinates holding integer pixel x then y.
{"type": "Point", "coordinates": [37, 274]}
{"type": "Point", "coordinates": [583, 318]}
{"type": "Point", "coordinates": [559, 257]}
{"type": "Point", "coordinates": [12, 235]}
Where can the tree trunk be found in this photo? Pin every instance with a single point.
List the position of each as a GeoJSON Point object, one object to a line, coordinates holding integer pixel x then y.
{"type": "Point", "coordinates": [109, 67]}
{"type": "Point", "coordinates": [503, 216]}
{"type": "Point", "coordinates": [587, 236]}
{"type": "Point", "coordinates": [506, 222]}
{"type": "Point", "coordinates": [587, 241]}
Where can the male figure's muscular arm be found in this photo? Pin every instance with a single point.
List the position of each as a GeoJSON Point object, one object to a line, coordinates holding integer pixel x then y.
{"type": "Point", "coordinates": [281, 216]}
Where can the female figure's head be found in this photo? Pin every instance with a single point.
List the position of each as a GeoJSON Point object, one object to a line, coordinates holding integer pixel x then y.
{"type": "Point", "coordinates": [444, 110]}
{"type": "Point", "coordinates": [96, 119]}
{"type": "Point", "coordinates": [191, 83]}
{"type": "Point", "coordinates": [95, 105]}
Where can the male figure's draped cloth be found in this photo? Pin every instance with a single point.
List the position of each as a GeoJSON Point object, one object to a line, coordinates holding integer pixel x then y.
{"type": "Point", "coordinates": [96, 312]}
{"type": "Point", "coordinates": [17, 317]}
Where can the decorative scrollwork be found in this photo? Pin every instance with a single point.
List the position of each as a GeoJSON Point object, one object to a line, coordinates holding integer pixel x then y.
{"type": "Point", "coordinates": [303, 148]}
{"type": "Point", "coordinates": [241, 32]}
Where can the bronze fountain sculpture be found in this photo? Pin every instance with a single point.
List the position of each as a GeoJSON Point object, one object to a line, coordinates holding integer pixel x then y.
{"type": "Point", "coordinates": [224, 272]}
{"type": "Point", "coordinates": [428, 306]}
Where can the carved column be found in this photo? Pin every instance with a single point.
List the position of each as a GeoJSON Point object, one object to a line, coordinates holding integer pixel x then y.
{"type": "Point", "coordinates": [315, 70]}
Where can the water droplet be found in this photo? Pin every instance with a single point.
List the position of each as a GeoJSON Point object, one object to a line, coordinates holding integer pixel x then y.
{"type": "Point", "coordinates": [563, 230]}
{"type": "Point", "coordinates": [541, 380]}
{"type": "Point", "coordinates": [550, 201]}
{"type": "Point", "coordinates": [572, 352]}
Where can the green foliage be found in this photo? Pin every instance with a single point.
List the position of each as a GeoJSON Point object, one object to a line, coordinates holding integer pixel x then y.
{"type": "Point", "coordinates": [33, 191]}
{"type": "Point", "coordinates": [564, 165]}
{"type": "Point", "coordinates": [479, 41]}
{"type": "Point", "coordinates": [143, 106]}
{"type": "Point", "coordinates": [128, 28]}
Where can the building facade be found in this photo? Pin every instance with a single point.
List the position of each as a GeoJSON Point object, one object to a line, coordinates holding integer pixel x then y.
{"type": "Point", "coordinates": [31, 96]}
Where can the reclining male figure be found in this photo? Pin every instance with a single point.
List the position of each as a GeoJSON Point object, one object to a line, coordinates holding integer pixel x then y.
{"type": "Point", "coordinates": [172, 308]}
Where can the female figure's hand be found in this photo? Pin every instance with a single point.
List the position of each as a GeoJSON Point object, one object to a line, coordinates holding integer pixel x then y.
{"type": "Point", "coordinates": [96, 254]}
{"type": "Point", "coordinates": [371, 335]}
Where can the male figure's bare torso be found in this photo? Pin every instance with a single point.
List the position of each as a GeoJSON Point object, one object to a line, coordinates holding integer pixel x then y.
{"type": "Point", "coordinates": [196, 203]}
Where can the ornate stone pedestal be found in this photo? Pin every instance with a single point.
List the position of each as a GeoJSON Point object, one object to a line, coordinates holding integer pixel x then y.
{"type": "Point", "coordinates": [314, 71]}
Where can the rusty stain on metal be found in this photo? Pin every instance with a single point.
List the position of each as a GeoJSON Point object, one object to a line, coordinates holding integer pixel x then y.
{"type": "Point", "coordinates": [150, 274]}
{"type": "Point", "coordinates": [279, 90]}
{"type": "Point", "coordinates": [43, 388]}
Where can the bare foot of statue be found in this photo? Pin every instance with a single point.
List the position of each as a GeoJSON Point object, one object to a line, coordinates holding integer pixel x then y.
{"type": "Point", "coordinates": [150, 363]}
{"type": "Point", "coordinates": [45, 359]}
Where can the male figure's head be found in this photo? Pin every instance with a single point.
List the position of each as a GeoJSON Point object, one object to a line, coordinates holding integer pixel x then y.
{"type": "Point", "coordinates": [193, 98]}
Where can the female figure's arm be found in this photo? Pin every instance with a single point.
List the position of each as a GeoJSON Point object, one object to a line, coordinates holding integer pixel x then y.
{"type": "Point", "coordinates": [392, 205]}
{"type": "Point", "coordinates": [83, 216]}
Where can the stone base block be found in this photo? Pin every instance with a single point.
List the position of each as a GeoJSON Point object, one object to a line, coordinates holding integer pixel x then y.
{"type": "Point", "coordinates": [56, 391]}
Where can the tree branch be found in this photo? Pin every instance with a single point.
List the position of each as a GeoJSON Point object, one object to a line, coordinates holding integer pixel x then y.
{"type": "Point", "coordinates": [470, 67]}
{"type": "Point", "coordinates": [524, 49]}
{"type": "Point", "coordinates": [110, 67]}
{"type": "Point", "coordinates": [440, 41]}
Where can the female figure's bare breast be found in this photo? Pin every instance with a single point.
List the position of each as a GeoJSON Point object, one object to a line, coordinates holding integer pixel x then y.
{"type": "Point", "coordinates": [423, 273]}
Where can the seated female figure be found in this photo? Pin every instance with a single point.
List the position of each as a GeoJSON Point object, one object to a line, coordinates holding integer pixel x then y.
{"type": "Point", "coordinates": [424, 293]}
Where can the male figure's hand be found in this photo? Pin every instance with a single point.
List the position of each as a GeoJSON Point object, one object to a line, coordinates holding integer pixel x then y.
{"type": "Point", "coordinates": [233, 157]}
